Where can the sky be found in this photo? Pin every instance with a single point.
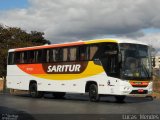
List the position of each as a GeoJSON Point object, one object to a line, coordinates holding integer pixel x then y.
{"type": "Point", "coordinates": [72, 20]}
{"type": "Point", "coordinates": [13, 4]}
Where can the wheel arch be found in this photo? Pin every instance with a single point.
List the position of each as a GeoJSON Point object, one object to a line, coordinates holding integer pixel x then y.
{"type": "Point", "coordinates": [88, 83]}
{"type": "Point", "coordinates": [32, 81]}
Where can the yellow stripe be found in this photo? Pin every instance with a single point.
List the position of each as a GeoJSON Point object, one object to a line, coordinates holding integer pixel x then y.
{"type": "Point", "coordinates": [91, 70]}
{"type": "Point", "coordinates": [100, 40]}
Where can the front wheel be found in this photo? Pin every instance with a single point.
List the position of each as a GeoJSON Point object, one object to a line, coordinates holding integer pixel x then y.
{"type": "Point", "coordinates": [34, 92]}
{"type": "Point", "coordinates": [93, 93]}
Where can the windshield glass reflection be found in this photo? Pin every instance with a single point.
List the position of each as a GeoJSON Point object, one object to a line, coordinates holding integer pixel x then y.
{"type": "Point", "coordinates": [135, 61]}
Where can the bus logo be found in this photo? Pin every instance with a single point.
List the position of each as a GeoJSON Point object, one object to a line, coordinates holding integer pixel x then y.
{"type": "Point", "coordinates": [64, 68]}
{"type": "Point", "coordinates": [67, 68]}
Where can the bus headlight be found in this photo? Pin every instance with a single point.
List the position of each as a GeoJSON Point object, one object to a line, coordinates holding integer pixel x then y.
{"type": "Point", "coordinates": [126, 88]}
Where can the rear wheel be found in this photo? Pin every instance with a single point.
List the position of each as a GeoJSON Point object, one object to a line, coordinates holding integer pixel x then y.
{"type": "Point", "coordinates": [34, 92]}
{"type": "Point", "coordinates": [59, 95]}
{"type": "Point", "coordinates": [93, 93]}
{"type": "Point", "coordinates": [120, 98]}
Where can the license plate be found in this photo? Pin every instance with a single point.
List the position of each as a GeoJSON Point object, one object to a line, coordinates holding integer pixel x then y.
{"type": "Point", "coordinates": [140, 90]}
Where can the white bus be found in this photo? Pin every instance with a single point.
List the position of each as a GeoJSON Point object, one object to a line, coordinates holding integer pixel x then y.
{"type": "Point", "coordinates": [118, 67]}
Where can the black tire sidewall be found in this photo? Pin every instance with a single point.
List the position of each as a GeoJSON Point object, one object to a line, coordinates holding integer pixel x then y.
{"type": "Point", "coordinates": [95, 97]}
{"type": "Point", "coordinates": [34, 92]}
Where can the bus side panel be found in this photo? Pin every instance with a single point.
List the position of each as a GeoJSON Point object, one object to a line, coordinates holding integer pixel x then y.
{"type": "Point", "coordinates": [17, 79]}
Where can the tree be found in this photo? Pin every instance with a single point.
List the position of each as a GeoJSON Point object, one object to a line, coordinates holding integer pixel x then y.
{"type": "Point", "coordinates": [13, 37]}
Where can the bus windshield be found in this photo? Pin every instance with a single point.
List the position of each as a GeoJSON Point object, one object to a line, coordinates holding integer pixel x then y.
{"type": "Point", "coordinates": [136, 62]}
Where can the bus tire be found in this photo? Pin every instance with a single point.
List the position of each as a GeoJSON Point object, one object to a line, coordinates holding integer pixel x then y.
{"type": "Point", "coordinates": [120, 98]}
{"type": "Point", "coordinates": [58, 95]}
{"type": "Point", "coordinates": [33, 91]}
{"type": "Point", "coordinates": [93, 93]}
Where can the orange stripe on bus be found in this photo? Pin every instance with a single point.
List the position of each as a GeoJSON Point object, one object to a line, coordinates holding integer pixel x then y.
{"type": "Point", "coordinates": [139, 83]}
{"type": "Point", "coordinates": [32, 68]}
{"type": "Point", "coordinates": [50, 46]}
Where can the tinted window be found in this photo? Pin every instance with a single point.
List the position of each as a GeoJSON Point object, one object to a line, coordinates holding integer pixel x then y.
{"type": "Point", "coordinates": [38, 56]}
{"type": "Point", "coordinates": [84, 53]}
{"type": "Point", "coordinates": [108, 55]}
{"type": "Point", "coordinates": [31, 57]}
{"type": "Point", "coordinates": [46, 56]}
{"type": "Point", "coordinates": [65, 54]}
{"type": "Point", "coordinates": [73, 54]}
{"type": "Point", "coordinates": [56, 55]}
{"type": "Point", "coordinates": [93, 50]}
{"type": "Point", "coordinates": [17, 57]}
{"type": "Point", "coordinates": [23, 57]}
{"type": "Point", "coordinates": [11, 58]}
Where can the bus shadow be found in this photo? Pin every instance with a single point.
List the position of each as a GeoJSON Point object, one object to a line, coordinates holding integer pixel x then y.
{"type": "Point", "coordinates": [82, 97]}
{"type": "Point", "coordinates": [130, 100]}
{"type": "Point", "coordinates": [139, 99]}
{"type": "Point", "coordinates": [108, 99]}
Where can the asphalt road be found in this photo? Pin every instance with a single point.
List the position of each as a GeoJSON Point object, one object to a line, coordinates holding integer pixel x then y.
{"type": "Point", "coordinates": [74, 106]}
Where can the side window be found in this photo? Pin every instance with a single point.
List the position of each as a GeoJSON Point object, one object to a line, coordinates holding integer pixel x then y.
{"type": "Point", "coordinates": [60, 54]}
{"type": "Point", "coordinates": [45, 55]}
{"type": "Point", "coordinates": [38, 56]}
{"type": "Point", "coordinates": [52, 55]}
{"type": "Point", "coordinates": [84, 53]}
{"type": "Point", "coordinates": [73, 54]}
{"type": "Point", "coordinates": [93, 50]}
{"type": "Point", "coordinates": [17, 57]}
{"type": "Point", "coordinates": [56, 55]}
{"type": "Point", "coordinates": [31, 57]}
{"type": "Point", "coordinates": [23, 57]}
{"type": "Point", "coordinates": [11, 58]}
{"type": "Point", "coordinates": [20, 57]}
{"type": "Point", "coordinates": [35, 56]}
{"type": "Point", "coordinates": [65, 54]}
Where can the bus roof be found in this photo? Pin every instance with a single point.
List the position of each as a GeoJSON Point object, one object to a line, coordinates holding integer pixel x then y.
{"type": "Point", "coordinates": [113, 40]}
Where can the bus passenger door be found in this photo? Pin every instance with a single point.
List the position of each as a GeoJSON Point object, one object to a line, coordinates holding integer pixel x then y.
{"type": "Point", "coordinates": [110, 65]}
